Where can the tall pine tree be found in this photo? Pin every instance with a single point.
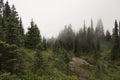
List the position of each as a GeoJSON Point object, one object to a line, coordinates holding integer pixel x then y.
{"type": "Point", "coordinates": [33, 37]}
{"type": "Point", "coordinates": [115, 50]}
{"type": "Point", "coordinates": [7, 10]}
{"type": "Point", "coordinates": [21, 33]}
{"type": "Point", "coordinates": [12, 23]}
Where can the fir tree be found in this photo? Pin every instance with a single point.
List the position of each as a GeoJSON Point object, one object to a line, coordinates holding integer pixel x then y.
{"type": "Point", "coordinates": [21, 33]}
{"type": "Point", "coordinates": [33, 38]}
{"type": "Point", "coordinates": [115, 50]}
{"type": "Point", "coordinates": [1, 29]}
{"type": "Point", "coordinates": [12, 33]}
{"type": "Point", "coordinates": [39, 63]}
{"type": "Point", "coordinates": [108, 36]}
{"type": "Point", "coordinates": [20, 63]}
{"type": "Point", "coordinates": [44, 43]}
{"type": "Point", "coordinates": [99, 31]}
{"type": "Point", "coordinates": [7, 10]}
{"type": "Point", "coordinates": [7, 57]}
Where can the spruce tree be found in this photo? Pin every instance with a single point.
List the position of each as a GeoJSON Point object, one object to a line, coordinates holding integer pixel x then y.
{"type": "Point", "coordinates": [92, 29]}
{"type": "Point", "coordinates": [115, 50]}
{"type": "Point", "coordinates": [39, 65]}
{"type": "Point", "coordinates": [1, 29]}
{"type": "Point", "coordinates": [33, 37]}
{"type": "Point", "coordinates": [90, 40]}
{"type": "Point", "coordinates": [99, 31]}
{"type": "Point", "coordinates": [108, 36]}
{"type": "Point", "coordinates": [12, 23]}
{"type": "Point", "coordinates": [4, 20]}
{"type": "Point", "coordinates": [21, 27]}
{"type": "Point", "coordinates": [20, 63]}
{"type": "Point", "coordinates": [119, 29]}
{"type": "Point", "coordinates": [7, 10]}
{"type": "Point", "coordinates": [67, 38]}
{"type": "Point", "coordinates": [44, 43]}
{"type": "Point", "coordinates": [21, 33]}
{"type": "Point", "coordinates": [7, 57]}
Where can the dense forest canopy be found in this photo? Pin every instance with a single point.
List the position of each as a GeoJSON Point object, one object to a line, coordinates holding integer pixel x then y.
{"type": "Point", "coordinates": [29, 56]}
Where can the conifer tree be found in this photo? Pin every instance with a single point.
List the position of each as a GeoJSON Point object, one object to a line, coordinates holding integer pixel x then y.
{"type": "Point", "coordinates": [90, 40]}
{"type": "Point", "coordinates": [39, 64]}
{"type": "Point", "coordinates": [92, 29]}
{"type": "Point", "coordinates": [7, 57]}
{"type": "Point", "coordinates": [44, 43]}
{"type": "Point", "coordinates": [100, 30]}
{"type": "Point", "coordinates": [119, 29]}
{"type": "Point", "coordinates": [119, 33]}
{"type": "Point", "coordinates": [108, 36]}
{"type": "Point", "coordinates": [4, 20]}
{"type": "Point", "coordinates": [12, 23]}
{"type": "Point", "coordinates": [33, 37]}
{"type": "Point", "coordinates": [1, 29]}
{"type": "Point", "coordinates": [67, 37]}
{"type": "Point", "coordinates": [20, 63]}
{"type": "Point", "coordinates": [115, 50]}
{"type": "Point", "coordinates": [21, 27]}
{"type": "Point", "coordinates": [7, 10]}
{"type": "Point", "coordinates": [21, 33]}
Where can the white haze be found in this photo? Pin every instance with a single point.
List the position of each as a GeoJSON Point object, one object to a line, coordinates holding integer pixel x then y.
{"type": "Point", "coordinates": [52, 15]}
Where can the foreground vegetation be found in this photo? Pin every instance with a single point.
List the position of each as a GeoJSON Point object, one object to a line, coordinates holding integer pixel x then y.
{"type": "Point", "coordinates": [89, 54]}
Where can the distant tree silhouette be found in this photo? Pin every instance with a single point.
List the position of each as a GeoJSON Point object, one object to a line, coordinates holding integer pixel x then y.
{"type": "Point", "coordinates": [115, 50]}
{"type": "Point", "coordinates": [108, 36]}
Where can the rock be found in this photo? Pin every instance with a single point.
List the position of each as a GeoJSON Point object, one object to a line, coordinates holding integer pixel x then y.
{"type": "Point", "coordinates": [76, 69]}
{"type": "Point", "coordinates": [78, 62]}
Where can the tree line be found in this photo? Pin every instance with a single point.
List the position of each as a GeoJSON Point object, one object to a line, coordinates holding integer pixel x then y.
{"type": "Point", "coordinates": [87, 40]}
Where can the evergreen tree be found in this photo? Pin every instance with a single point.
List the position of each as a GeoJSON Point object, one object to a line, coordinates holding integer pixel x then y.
{"type": "Point", "coordinates": [21, 27]}
{"type": "Point", "coordinates": [84, 29]}
{"type": "Point", "coordinates": [119, 35]}
{"type": "Point", "coordinates": [20, 63]}
{"type": "Point", "coordinates": [33, 38]}
{"type": "Point", "coordinates": [7, 10]}
{"type": "Point", "coordinates": [1, 29]}
{"type": "Point", "coordinates": [90, 40]}
{"type": "Point", "coordinates": [115, 50]}
{"type": "Point", "coordinates": [51, 42]}
{"type": "Point", "coordinates": [4, 20]}
{"type": "Point", "coordinates": [67, 37]}
{"type": "Point", "coordinates": [39, 63]}
{"type": "Point", "coordinates": [108, 36]}
{"type": "Point", "coordinates": [44, 43]}
{"type": "Point", "coordinates": [7, 57]}
{"type": "Point", "coordinates": [84, 38]}
{"type": "Point", "coordinates": [12, 23]}
{"type": "Point", "coordinates": [21, 33]}
{"type": "Point", "coordinates": [92, 29]}
{"type": "Point", "coordinates": [57, 45]}
{"type": "Point", "coordinates": [119, 29]}
{"type": "Point", "coordinates": [99, 30]}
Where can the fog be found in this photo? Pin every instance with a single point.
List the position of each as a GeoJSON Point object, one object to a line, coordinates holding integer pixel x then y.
{"type": "Point", "coordinates": [52, 15]}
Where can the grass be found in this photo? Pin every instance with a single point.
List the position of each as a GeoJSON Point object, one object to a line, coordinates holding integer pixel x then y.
{"type": "Point", "coordinates": [111, 70]}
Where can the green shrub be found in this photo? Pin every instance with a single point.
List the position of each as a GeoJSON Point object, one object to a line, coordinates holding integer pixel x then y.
{"type": "Point", "coordinates": [8, 76]}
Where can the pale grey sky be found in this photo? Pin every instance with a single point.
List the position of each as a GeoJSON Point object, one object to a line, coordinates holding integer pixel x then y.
{"type": "Point", "coordinates": [52, 15]}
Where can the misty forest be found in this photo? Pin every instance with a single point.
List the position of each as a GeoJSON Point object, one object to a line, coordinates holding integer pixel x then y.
{"type": "Point", "coordinates": [92, 53]}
